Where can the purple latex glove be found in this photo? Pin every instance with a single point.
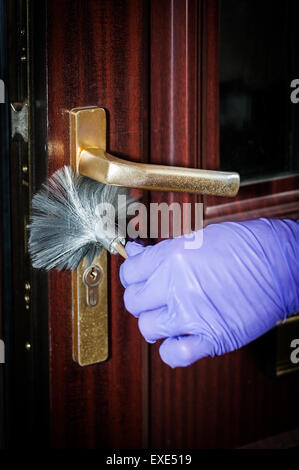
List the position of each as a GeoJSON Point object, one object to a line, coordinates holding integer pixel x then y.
{"type": "Point", "coordinates": [217, 298]}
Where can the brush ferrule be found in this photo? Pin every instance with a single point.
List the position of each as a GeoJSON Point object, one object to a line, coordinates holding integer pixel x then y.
{"type": "Point", "coordinates": [114, 243]}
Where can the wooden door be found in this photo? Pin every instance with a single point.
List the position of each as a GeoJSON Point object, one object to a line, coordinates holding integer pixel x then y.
{"type": "Point", "coordinates": [154, 66]}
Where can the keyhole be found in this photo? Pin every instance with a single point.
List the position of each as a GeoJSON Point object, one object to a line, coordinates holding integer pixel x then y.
{"type": "Point", "coordinates": [92, 277]}
{"type": "Point", "coordinates": [93, 273]}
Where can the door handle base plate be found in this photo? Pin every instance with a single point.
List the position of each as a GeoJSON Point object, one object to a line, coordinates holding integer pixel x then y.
{"type": "Point", "coordinates": [90, 323]}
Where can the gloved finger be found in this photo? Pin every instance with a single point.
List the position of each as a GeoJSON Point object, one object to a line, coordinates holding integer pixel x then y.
{"type": "Point", "coordinates": [153, 324]}
{"type": "Point", "coordinates": [148, 295]}
{"type": "Point", "coordinates": [134, 248]}
{"type": "Point", "coordinates": [133, 299]}
{"type": "Point", "coordinates": [182, 351]}
{"type": "Point", "coordinates": [139, 267]}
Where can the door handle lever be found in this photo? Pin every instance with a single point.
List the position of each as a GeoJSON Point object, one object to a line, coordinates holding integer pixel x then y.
{"type": "Point", "coordinates": [89, 126]}
{"type": "Point", "coordinates": [108, 169]}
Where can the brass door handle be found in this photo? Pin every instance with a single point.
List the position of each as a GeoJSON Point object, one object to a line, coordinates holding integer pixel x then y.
{"type": "Point", "coordinates": [89, 158]}
{"type": "Point", "coordinates": [92, 160]}
{"type": "Point", "coordinates": [108, 169]}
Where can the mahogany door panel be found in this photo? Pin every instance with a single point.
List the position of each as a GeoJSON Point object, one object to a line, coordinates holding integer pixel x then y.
{"type": "Point", "coordinates": [225, 401]}
{"type": "Point", "coordinates": [97, 55]}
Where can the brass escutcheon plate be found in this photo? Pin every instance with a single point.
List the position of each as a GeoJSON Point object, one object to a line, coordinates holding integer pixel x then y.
{"type": "Point", "coordinates": [90, 323]}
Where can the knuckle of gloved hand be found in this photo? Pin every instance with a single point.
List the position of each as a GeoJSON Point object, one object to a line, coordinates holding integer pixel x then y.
{"type": "Point", "coordinates": [130, 301]}
{"type": "Point", "coordinates": [184, 354]}
{"type": "Point", "coordinates": [145, 326]}
{"type": "Point", "coordinates": [176, 257]}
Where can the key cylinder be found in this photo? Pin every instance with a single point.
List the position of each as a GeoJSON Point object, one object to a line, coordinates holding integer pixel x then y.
{"type": "Point", "coordinates": [92, 277]}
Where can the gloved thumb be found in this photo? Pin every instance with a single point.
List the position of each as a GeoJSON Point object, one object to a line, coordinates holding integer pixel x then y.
{"type": "Point", "coordinates": [182, 351]}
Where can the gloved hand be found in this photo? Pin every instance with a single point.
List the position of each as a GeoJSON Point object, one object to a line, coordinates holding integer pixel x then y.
{"type": "Point", "coordinates": [217, 298]}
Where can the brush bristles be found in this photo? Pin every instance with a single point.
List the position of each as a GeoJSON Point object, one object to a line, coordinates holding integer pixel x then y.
{"type": "Point", "coordinates": [66, 225]}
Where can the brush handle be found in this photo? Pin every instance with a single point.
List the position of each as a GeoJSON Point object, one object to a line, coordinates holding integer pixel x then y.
{"type": "Point", "coordinates": [120, 249]}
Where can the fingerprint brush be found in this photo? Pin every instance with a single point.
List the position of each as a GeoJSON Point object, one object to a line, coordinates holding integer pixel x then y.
{"type": "Point", "coordinates": [72, 218]}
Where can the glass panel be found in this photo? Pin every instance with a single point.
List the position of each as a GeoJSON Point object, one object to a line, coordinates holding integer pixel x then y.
{"type": "Point", "coordinates": [258, 122]}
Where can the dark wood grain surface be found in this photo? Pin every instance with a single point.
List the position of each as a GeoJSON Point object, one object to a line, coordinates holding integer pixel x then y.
{"type": "Point", "coordinates": [96, 56]}
{"type": "Point", "coordinates": [175, 140]}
